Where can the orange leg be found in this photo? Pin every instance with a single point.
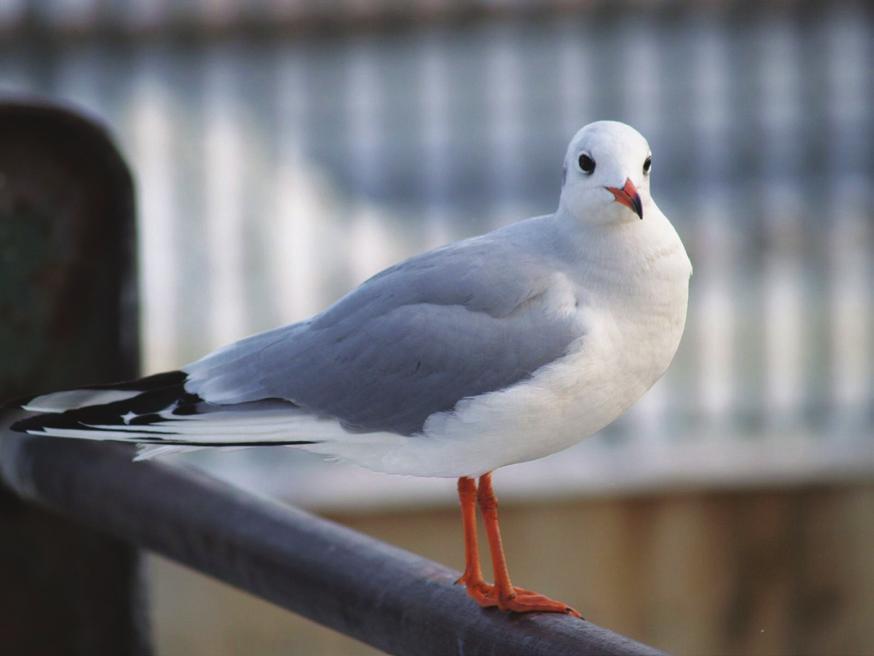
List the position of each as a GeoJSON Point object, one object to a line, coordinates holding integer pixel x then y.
{"type": "Point", "coordinates": [472, 578]}
{"type": "Point", "coordinates": [507, 597]}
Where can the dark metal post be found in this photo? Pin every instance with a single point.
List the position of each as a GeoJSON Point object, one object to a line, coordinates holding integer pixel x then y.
{"type": "Point", "coordinates": [68, 318]}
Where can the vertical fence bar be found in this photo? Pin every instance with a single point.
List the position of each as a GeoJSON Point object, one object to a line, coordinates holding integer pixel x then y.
{"type": "Point", "coordinates": [66, 297]}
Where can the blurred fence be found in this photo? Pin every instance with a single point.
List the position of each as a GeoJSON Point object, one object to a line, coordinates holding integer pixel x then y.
{"type": "Point", "coordinates": [277, 171]}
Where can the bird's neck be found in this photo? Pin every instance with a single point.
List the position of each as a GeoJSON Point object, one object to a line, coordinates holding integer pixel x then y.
{"type": "Point", "coordinates": [648, 247]}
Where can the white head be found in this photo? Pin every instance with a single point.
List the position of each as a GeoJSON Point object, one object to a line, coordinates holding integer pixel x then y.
{"type": "Point", "coordinates": [606, 174]}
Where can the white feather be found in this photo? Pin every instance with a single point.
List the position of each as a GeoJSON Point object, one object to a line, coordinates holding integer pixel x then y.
{"type": "Point", "coordinates": [79, 398]}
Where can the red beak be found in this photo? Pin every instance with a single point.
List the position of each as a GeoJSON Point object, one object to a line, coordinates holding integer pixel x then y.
{"type": "Point", "coordinates": [628, 196]}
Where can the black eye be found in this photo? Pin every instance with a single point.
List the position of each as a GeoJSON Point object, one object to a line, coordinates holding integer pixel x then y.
{"type": "Point", "coordinates": [647, 164]}
{"type": "Point", "coordinates": [587, 164]}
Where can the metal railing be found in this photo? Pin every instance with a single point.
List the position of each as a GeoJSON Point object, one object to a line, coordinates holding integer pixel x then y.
{"type": "Point", "coordinates": [65, 203]}
{"type": "Point", "coordinates": [382, 595]}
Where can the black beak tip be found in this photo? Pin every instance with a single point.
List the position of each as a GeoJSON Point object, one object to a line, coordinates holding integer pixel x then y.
{"type": "Point", "coordinates": [638, 207]}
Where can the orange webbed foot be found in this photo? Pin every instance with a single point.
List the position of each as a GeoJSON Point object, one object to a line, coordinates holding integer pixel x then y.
{"type": "Point", "coordinates": [520, 600]}
{"type": "Point", "coordinates": [526, 601]}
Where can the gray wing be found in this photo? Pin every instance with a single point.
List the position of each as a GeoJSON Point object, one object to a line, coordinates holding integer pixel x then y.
{"type": "Point", "coordinates": [467, 319]}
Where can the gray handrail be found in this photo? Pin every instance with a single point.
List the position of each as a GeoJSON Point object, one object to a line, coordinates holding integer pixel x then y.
{"type": "Point", "coordinates": [380, 594]}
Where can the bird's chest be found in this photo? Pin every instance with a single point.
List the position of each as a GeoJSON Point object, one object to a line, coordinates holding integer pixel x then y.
{"type": "Point", "coordinates": [629, 336]}
{"type": "Point", "coordinates": [632, 334]}
{"type": "Point", "coordinates": [638, 331]}
{"type": "Point", "coordinates": [628, 344]}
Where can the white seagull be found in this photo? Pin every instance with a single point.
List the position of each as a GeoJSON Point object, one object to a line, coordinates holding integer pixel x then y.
{"type": "Point", "coordinates": [488, 351]}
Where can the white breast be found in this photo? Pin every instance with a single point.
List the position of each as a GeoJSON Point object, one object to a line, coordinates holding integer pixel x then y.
{"type": "Point", "coordinates": [633, 323]}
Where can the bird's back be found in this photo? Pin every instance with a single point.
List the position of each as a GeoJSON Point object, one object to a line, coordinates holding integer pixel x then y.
{"type": "Point", "coordinates": [456, 322]}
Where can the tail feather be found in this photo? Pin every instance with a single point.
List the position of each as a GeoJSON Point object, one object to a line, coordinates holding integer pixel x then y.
{"type": "Point", "coordinates": [158, 412]}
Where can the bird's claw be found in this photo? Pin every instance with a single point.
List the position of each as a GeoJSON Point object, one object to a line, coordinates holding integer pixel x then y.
{"type": "Point", "coordinates": [519, 600]}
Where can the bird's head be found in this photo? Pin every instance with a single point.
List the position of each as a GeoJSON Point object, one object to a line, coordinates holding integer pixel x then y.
{"type": "Point", "coordinates": [606, 174]}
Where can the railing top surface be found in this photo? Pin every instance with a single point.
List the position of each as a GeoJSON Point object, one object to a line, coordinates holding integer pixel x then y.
{"type": "Point", "coordinates": [382, 595]}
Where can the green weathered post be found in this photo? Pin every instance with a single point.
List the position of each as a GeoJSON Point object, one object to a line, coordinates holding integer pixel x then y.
{"type": "Point", "coordinates": [67, 317]}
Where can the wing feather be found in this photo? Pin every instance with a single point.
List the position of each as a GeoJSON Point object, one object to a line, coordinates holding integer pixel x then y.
{"type": "Point", "coordinates": [457, 322]}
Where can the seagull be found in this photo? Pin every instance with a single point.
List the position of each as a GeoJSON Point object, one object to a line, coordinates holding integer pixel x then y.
{"type": "Point", "coordinates": [489, 351]}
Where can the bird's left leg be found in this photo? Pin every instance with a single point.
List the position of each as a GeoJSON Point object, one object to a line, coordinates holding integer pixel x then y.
{"type": "Point", "coordinates": [509, 597]}
{"type": "Point", "coordinates": [472, 578]}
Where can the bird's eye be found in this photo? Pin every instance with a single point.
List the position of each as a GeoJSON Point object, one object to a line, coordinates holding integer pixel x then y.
{"type": "Point", "coordinates": [647, 164]}
{"type": "Point", "coordinates": [587, 164]}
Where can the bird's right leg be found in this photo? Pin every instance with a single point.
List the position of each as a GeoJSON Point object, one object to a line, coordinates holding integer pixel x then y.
{"type": "Point", "coordinates": [482, 592]}
{"type": "Point", "coordinates": [509, 597]}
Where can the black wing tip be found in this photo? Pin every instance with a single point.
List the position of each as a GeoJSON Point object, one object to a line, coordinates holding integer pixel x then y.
{"type": "Point", "coordinates": [39, 422]}
{"type": "Point", "coordinates": [173, 440]}
{"type": "Point", "coordinates": [156, 393]}
{"type": "Point", "coordinates": [19, 426]}
{"type": "Point", "coordinates": [150, 383]}
{"type": "Point", "coordinates": [163, 380]}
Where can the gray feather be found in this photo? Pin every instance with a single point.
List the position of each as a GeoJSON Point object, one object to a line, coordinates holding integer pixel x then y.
{"type": "Point", "coordinates": [470, 318]}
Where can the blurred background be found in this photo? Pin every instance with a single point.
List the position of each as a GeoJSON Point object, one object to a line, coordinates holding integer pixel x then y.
{"type": "Point", "coordinates": [285, 151]}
